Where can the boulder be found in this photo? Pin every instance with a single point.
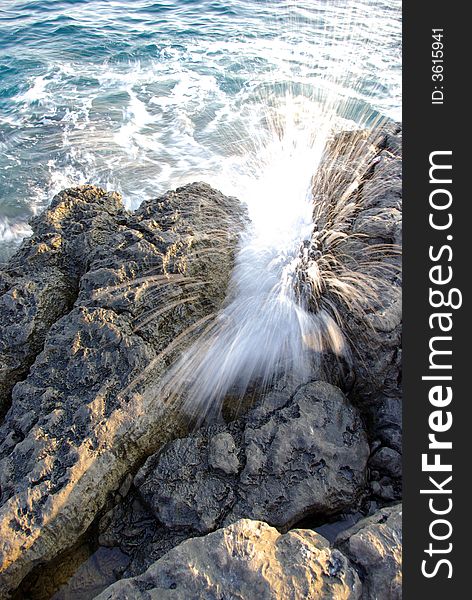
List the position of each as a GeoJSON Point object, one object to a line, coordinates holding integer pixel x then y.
{"type": "Point", "coordinates": [300, 452]}
{"type": "Point", "coordinates": [246, 560]}
{"type": "Point", "coordinates": [374, 547]}
{"type": "Point", "coordinates": [134, 286]}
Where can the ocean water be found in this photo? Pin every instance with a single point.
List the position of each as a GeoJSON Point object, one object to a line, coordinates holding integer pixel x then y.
{"type": "Point", "coordinates": [141, 96]}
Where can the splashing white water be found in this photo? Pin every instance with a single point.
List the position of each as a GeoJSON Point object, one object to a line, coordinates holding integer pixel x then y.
{"type": "Point", "coordinates": [264, 330]}
{"type": "Point", "coordinates": [214, 109]}
{"type": "Point", "coordinates": [12, 230]}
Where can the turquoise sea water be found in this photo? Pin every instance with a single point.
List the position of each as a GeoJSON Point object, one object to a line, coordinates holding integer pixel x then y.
{"type": "Point", "coordinates": [141, 96]}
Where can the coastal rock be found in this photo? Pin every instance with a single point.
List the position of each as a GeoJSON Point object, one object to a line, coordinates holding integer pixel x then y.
{"type": "Point", "coordinates": [377, 360]}
{"type": "Point", "coordinates": [387, 461]}
{"type": "Point", "coordinates": [99, 302]}
{"type": "Point", "coordinates": [246, 560]}
{"type": "Point", "coordinates": [306, 456]}
{"type": "Point", "coordinates": [300, 452]}
{"type": "Point", "coordinates": [78, 423]}
{"type": "Point", "coordinates": [29, 306]}
{"type": "Point", "coordinates": [374, 547]}
{"type": "Point", "coordinates": [39, 284]}
{"type": "Point", "coordinates": [359, 187]}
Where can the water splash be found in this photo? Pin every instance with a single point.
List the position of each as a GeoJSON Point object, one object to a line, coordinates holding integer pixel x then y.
{"type": "Point", "coordinates": [265, 330]}
{"type": "Point", "coordinates": [270, 327]}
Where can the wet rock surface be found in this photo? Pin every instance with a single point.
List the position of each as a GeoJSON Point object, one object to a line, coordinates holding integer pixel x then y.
{"type": "Point", "coordinates": [248, 559]}
{"type": "Point", "coordinates": [361, 180]}
{"type": "Point", "coordinates": [74, 431]}
{"type": "Point", "coordinates": [302, 451]}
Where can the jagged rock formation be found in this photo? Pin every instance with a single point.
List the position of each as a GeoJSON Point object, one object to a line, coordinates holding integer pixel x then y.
{"type": "Point", "coordinates": [301, 451]}
{"type": "Point", "coordinates": [359, 187]}
{"type": "Point", "coordinates": [74, 429]}
{"type": "Point", "coordinates": [99, 301]}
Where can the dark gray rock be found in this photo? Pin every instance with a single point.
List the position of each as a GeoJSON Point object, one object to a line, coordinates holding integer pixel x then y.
{"type": "Point", "coordinates": [387, 460]}
{"type": "Point", "coordinates": [223, 454]}
{"type": "Point", "coordinates": [78, 423]}
{"type": "Point", "coordinates": [39, 284]}
{"type": "Point", "coordinates": [357, 244]}
{"type": "Point", "coordinates": [29, 306]}
{"type": "Point", "coordinates": [307, 456]}
{"type": "Point", "coordinates": [298, 453]}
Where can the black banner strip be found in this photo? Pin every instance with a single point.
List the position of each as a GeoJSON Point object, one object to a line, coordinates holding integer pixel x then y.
{"type": "Point", "coordinates": [436, 264]}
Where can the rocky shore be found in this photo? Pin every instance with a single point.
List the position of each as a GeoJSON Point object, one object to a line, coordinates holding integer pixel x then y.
{"type": "Point", "coordinates": [297, 496]}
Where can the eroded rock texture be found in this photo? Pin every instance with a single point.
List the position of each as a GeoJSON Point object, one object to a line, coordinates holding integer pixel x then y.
{"type": "Point", "coordinates": [360, 187]}
{"type": "Point", "coordinates": [39, 284]}
{"type": "Point", "coordinates": [77, 425]}
{"type": "Point", "coordinates": [246, 560]}
{"type": "Point", "coordinates": [302, 451]}
{"type": "Point", "coordinates": [98, 303]}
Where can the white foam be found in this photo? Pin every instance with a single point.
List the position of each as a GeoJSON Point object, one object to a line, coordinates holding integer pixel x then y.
{"type": "Point", "coordinates": [264, 330]}
{"type": "Point", "coordinates": [37, 91]}
{"type": "Point", "coordinates": [13, 230]}
{"type": "Point", "coordinates": [197, 110]}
